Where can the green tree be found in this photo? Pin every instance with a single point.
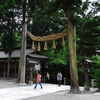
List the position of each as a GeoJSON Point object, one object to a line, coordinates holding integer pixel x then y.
{"type": "Point", "coordinates": [68, 7]}
{"type": "Point", "coordinates": [42, 19]}
{"type": "Point", "coordinates": [8, 44]}
{"type": "Point", "coordinates": [4, 5]}
{"type": "Point", "coordinates": [72, 5]}
{"type": "Point", "coordinates": [58, 56]}
{"type": "Point", "coordinates": [9, 32]}
{"type": "Point", "coordinates": [88, 28]}
{"type": "Point", "coordinates": [95, 70]}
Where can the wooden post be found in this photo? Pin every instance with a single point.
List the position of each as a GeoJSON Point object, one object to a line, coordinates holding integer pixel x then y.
{"type": "Point", "coordinates": [23, 64]}
{"type": "Point", "coordinates": [31, 76]}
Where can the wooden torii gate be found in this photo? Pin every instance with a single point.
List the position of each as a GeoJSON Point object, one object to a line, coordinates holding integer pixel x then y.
{"type": "Point", "coordinates": [39, 39]}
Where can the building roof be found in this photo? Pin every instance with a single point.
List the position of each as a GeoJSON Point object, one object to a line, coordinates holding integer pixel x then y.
{"type": "Point", "coordinates": [87, 60]}
{"type": "Point", "coordinates": [37, 56]}
{"type": "Point", "coordinates": [32, 61]}
{"type": "Point", "coordinates": [30, 53]}
{"type": "Point", "coordinates": [15, 53]}
{"type": "Point", "coordinates": [98, 51]}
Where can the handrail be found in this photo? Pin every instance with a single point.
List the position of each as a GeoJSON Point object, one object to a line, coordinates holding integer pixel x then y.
{"type": "Point", "coordinates": [44, 80]}
{"type": "Point", "coordinates": [66, 81]}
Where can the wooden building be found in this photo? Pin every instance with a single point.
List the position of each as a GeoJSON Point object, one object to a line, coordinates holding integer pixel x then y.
{"type": "Point", "coordinates": [31, 56]}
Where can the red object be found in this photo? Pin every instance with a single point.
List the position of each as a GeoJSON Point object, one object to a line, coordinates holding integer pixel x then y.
{"type": "Point", "coordinates": [38, 78]}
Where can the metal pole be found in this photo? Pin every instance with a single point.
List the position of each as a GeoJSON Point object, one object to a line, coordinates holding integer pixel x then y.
{"type": "Point", "coordinates": [23, 66]}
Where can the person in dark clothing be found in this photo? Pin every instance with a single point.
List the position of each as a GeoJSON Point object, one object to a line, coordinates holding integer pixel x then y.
{"type": "Point", "coordinates": [59, 78]}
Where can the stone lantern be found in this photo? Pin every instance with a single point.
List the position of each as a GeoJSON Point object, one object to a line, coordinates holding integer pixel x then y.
{"type": "Point", "coordinates": [33, 62]}
{"type": "Point", "coordinates": [86, 67]}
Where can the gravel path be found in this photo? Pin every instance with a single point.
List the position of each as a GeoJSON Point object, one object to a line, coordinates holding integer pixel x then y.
{"type": "Point", "coordinates": [65, 96]}
{"type": "Point", "coordinates": [53, 96]}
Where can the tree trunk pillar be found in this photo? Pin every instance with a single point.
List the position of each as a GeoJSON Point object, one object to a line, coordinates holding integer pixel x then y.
{"type": "Point", "coordinates": [23, 64]}
{"type": "Point", "coordinates": [74, 86]}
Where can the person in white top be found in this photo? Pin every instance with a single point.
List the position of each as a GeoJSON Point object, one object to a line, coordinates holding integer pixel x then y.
{"type": "Point", "coordinates": [47, 77]}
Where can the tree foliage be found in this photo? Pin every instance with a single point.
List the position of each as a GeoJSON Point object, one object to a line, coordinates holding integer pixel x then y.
{"type": "Point", "coordinates": [49, 17]}
{"type": "Point", "coordinates": [8, 42]}
{"type": "Point", "coordinates": [57, 57]}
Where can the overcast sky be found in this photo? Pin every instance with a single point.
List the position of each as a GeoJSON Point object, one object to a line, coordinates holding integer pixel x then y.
{"type": "Point", "coordinates": [92, 0]}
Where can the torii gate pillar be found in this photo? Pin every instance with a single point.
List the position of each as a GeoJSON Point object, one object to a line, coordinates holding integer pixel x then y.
{"type": "Point", "coordinates": [23, 58]}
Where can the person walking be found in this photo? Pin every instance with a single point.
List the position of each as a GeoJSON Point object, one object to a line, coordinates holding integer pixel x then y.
{"type": "Point", "coordinates": [59, 78]}
{"type": "Point", "coordinates": [38, 80]}
{"type": "Point", "coordinates": [47, 77]}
